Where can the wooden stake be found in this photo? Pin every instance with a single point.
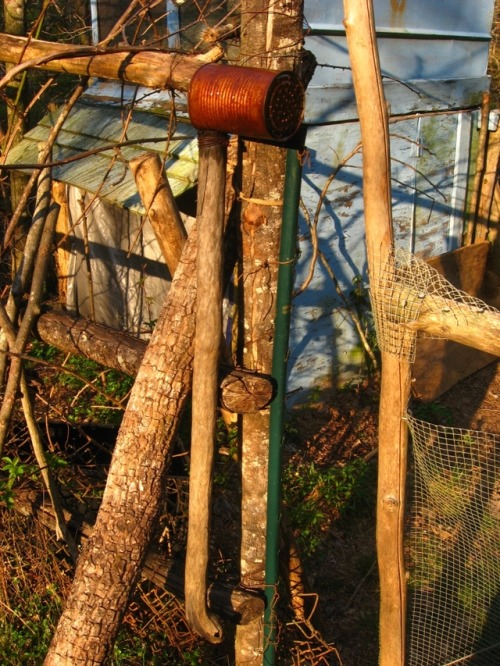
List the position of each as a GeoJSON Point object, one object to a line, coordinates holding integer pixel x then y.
{"type": "Point", "coordinates": [393, 436]}
{"type": "Point", "coordinates": [161, 209]}
{"type": "Point", "coordinates": [470, 234]}
{"type": "Point", "coordinates": [210, 222]}
{"type": "Point", "coordinates": [489, 180]}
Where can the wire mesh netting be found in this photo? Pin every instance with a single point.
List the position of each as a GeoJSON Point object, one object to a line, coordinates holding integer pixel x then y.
{"type": "Point", "coordinates": [407, 288]}
{"type": "Point", "coordinates": [453, 547]}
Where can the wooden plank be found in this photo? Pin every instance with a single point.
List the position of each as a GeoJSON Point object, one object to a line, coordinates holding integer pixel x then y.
{"type": "Point", "coordinates": [440, 364]}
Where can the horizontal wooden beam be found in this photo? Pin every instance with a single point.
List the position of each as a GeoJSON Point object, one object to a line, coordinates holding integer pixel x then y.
{"type": "Point", "coordinates": [241, 391]}
{"type": "Point", "coordinates": [149, 68]}
{"type": "Point", "coordinates": [469, 325]}
{"type": "Point", "coordinates": [234, 604]}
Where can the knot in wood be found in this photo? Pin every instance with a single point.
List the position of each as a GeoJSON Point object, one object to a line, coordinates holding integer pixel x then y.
{"type": "Point", "coordinates": [253, 217]}
{"type": "Point", "coordinates": [390, 502]}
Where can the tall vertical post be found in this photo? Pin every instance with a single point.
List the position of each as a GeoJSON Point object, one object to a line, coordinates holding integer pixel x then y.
{"type": "Point", "coordinates": [288, 252]}
{"type": "Point", "coordinates": [395, 387]}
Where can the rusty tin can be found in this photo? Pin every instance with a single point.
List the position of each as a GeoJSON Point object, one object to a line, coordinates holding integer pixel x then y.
{"type": "Point", "coordinates": [251, 102]}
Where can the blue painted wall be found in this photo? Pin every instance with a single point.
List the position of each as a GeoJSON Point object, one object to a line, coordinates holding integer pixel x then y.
{"type": "Point", "coordinates": [434, 60]}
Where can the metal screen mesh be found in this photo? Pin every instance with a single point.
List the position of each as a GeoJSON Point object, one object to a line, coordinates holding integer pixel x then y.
{"type": "Point", "coordinates": [453, 547]}
{"type": "Point", "coordinates": [407, 288]}
{"type": "Point", "coordinates": [452, 544]}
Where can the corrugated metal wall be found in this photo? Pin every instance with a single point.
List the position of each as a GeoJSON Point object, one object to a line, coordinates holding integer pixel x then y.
{"type": "Point", "coordinates": [434, 60]}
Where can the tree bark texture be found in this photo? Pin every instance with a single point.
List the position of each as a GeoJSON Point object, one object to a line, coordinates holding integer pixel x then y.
{"type": "Point", "coordinates": [110, 562]}
{"type": "Point", "coordinates": [240, 391]}
{"type": "Point", "coordinates": [271, 36]}
{"type": "Point", "coordinates": [393, 435]}
{"type": "Point", "coordinates": [153, 69]}
{"type": "Point", "coordinates": [210, 224]}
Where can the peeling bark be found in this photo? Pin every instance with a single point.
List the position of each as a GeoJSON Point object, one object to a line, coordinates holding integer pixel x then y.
{"type": "Point", "coordinates": [110, 562]}
{"type": "Point", "coordinates": [271, 36]}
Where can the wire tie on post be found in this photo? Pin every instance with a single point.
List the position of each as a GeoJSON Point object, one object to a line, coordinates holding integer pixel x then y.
{"type": "Point", "coordinates": [209, 138]}
{"type": "Point", "coordinates": [261, 202]}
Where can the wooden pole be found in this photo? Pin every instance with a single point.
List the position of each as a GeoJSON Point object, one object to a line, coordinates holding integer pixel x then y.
{"type": "Point", "coordinates": [393, 437]}
{"type": "Point", "coordinates": [470, 234]}
{"type": "Point", "coordinates": [153, 69]}
{"type": "Point", "coordinates": [241, 391]}
{"type": "Point", "coordinates": [210, 222]}
{"type": "Point", "coordinates": [161, 209]}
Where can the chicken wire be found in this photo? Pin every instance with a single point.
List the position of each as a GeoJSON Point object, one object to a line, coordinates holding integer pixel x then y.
{"type": "Point", "coordinates": [406, 287]}
{"type": "Point", "coordinates": [453, 547]}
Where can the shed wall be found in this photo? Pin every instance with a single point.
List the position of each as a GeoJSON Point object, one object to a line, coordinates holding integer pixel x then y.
{"type": "Point", "coordinates": [434, 59]}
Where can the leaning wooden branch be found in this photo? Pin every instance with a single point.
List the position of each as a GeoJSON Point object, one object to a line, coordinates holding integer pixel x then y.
{"type": "Point", "coordinates": [42, 159]}
{"type": "Point", "coordinates": [111, 559]}
{"type": "Point", "coordinates": [469, 325]}
{"type": "Point", "coordinates": [60, 526]}
{"type": "Point", "coordinates": [24, 274]}
{"type": "Point", "coordinates": [241, 391]}
{"type": "Point", "coordinates": [32, 311]}
{"type": "Point", "coordinates": [161, 209]}
{"type": "Point", "coordinates": [153, 69]}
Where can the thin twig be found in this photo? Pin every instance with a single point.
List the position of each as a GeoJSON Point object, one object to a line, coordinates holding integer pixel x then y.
{"type": "Point", "coordinates": [355, 319]}
{"type": "Point", "coordinates": [44, 155]}
{"type": "Point", "coordinates": [32, 311]}
{"type": "Point", "coordinates": [25, 271]}
{"type": "Point", "coordinates": [314, 226]}
{"type": "Point", "coordinates": [62, 530]}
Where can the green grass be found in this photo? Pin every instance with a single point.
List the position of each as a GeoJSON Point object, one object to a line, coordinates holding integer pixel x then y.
{"type": "Point", "coordinates": [91, 391]}
{"type": "Point", "coordinates": [316, 496]}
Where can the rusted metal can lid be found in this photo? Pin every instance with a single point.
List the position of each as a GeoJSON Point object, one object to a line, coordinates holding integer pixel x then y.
{"type": "Point", "coordinates": [251, 102]}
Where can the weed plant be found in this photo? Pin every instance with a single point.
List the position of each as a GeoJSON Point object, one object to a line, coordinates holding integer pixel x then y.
{"type": "Point", "coordinates": [315, 497]}
{"type": "Point", "coordinates": [90, 391]}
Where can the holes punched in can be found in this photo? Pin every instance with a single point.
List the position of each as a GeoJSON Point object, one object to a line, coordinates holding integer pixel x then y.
{"type": "Point", "coordinates": [251, 102]}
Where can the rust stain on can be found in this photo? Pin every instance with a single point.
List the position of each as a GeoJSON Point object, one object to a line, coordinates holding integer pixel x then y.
{"type": "Point", "coordinates": [251, 102]}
